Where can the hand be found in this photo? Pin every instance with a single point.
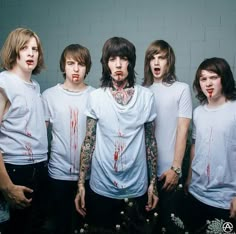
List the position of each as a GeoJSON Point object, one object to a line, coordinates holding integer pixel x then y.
{"type": "Point", "coordinates": [171, 180]}
{"type": "Point", "coordinates": [80, 200]}
{"type": "Point", "coordinates": [15, 195]}
{"type": "Point", "coordinates": [233, 208]}
{"type": "Point", "coordinates": [152, 197]}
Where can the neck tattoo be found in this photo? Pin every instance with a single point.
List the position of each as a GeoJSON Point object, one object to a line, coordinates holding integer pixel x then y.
{"type": "Point", "coordinates": [121, 92]}
{"type": "Point", "coordinates": [122, 96]}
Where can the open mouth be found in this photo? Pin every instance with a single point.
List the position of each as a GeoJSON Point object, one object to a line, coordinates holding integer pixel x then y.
{"type": "Point", "coordinates": [157, 70]}
{"type": "Point", "coordinates": [30, 62]}
{"type": "Point", "coordinates": [210, 91]}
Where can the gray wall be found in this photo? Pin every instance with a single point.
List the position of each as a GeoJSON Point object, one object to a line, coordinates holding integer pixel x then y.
{"type": "Point", "coordinates": [196, 29]}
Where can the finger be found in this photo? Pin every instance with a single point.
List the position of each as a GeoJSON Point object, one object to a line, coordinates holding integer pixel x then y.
{"type": "Point", "coordinates": [232, 214]}
{"type": "Point", "coordinates": [161, 177]}
{"type": "Point", "coordinates": [27, 190]}
{"type": "Point", "coordinates": [82, 200]}
{"type": "Point", "coordinates": [165, 186]}
{"type": "Point", "coordinates": [77, 202]}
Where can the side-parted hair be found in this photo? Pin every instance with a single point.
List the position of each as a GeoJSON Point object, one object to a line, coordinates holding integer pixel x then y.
{"type": "Point", "coordinates": [222, 69]}
{"type": "Point", "coordinates": [156, 47]}
{"type": "Point", "coordinates": [77, 52]}
{"type": "Point", "coordinates": [15, 41]}
{"type": "Point", "coordinates": [118, 46]}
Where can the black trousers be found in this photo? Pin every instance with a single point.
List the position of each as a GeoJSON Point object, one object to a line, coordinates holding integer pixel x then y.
{"type": "Point", "coordinates": [63, 216]}
{"type": "Point", "coordinates": [105, 213]}
{"type": "Point", "coordinates": [31, 219]}
{"type": "Point", "coordinates": [199, 216]}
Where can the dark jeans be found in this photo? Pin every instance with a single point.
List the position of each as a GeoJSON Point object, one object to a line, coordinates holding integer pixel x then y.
{"type": "Point", "coordinates": [3, 227]}
{"type": "Point", "coordinates": [105, 213]}
{"type": "Point", "coordinates": [63, 215]}
{"type": "Point", "coordinates": [169, 207]}
{"type": "Point", "coordinates": [197, 214]}
{"type": "Point", "coordinates": [31, 219]}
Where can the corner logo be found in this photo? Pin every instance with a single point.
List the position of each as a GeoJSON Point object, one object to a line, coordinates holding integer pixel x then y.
{"type": "Point", "coordinates": [227, 227]}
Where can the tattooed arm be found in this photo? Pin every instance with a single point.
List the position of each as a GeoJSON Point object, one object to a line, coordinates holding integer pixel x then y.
{"type": "Point", "coordinates": [151, 151]}
{"type": "Point", "coordinates": [85, 162]}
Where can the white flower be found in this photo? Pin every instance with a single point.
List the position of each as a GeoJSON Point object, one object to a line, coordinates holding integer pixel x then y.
{"type": "Point", "coordinates": [155, 214]}
{"type": "Point", "coordinates": [117, 226]}
{"type": "Point", "coordinates": [130, 204]}
{"type": "Point", "coordinates": [215, 226]}
{"type": "Point", "coordinates": [126, 200]}
{"type": "Point", "coordinates": [177, 221]}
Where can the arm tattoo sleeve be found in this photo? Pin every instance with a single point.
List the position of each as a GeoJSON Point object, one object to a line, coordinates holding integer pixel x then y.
{"type": "Point", "coordinates": [87, 149]}
{"type": "Point", "coordinates": [151, 150]}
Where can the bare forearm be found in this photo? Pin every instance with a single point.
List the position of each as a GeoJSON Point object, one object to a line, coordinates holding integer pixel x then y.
{"type": "Point", "coordinates": [5, 181]}
{"type": "Point", "coordinates": [151, 150]}
{"type": "Point", "coordinates": [181, 141]}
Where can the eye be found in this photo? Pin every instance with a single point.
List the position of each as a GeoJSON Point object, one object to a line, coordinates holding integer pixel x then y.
{"type": "Point", "coordinates": [24, 47]}
{"type": "Point", "coordinates": [69, 63]}
{"type": "Point", "coordinates": [111, 59]}
{"type": "Point", "coordinates": [215, 77]}
{"type": "Point", "coordinates": [124, 58]}
{"type": "Point", "coordinates": [35, 49]}
{"type": "Point", "coordinates": [202, 79]}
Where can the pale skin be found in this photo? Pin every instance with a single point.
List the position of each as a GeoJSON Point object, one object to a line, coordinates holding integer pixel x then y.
{"type": "Point", "coordinates": [188, 180]}
{"type": "Point", "coordinates": [25, 64]}
{"type": "Point", "coordinates": [118, 67]}
{"type": "Point", "coordinates": [158, 65]}
{"type": "Point", "coordinates": [75, 74]}
{"type": "Point", "coordinates": [87, 150]}
{"type": "Point", "coordinates": [211, 86]}
{"type": "Point", "coordinates": [233, 208]}
{"type": "Point", "coordinates": [170, 177]}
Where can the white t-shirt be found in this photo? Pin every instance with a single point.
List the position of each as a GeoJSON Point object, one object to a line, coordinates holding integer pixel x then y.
{"type": "Point", "coordinates": [23, 133]}
{"type": "Point", "coordinates": [172, 102]}
{"type": "Point", "coordinates": [65, 111]}
{"type": "Point", "coordinates": [119, 167]}
{"type": "Point", "coordinates": [214, 164]}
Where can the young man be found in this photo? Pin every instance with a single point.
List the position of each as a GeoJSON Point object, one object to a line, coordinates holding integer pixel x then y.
{"type": "Point", "coordinates": [120, 145]}
{"type": "Point", "coordinates": [64, 111]}
{"type": "Point", "coordinates": [212, 189]}
{"type": "Point", "coordinates": [174, 112]}
{"type": "Point", "coordinates": [23, 135]}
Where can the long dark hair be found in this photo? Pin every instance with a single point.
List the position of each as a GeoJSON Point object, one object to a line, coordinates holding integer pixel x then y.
{"type": "Point", "coordinates": [118, 46]}
{"type": "Point", "coordinates": [222, 69]}
{"type": "Point", "coordinates": [157, 47]}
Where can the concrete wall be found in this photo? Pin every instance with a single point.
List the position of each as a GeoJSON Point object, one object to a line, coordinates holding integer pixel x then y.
{"type": "Point", "coordinates": [196, 29]}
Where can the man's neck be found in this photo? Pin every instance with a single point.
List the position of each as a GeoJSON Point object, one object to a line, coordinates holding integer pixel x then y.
{"type": "Point", "coordinates": [216, 102]}
{"type": "Point", "coordinates": [26, 76]}
{"type": "Point", "coordinates": [74, 87]}
{"type": "Point", "coordinates": [119, 85]}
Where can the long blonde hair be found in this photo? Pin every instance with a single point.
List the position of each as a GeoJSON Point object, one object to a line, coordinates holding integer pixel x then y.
{"type": "Point", "coordinates": [14, 43]}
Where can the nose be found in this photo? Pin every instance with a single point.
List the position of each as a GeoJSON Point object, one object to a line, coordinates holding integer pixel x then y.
{"type": "Point", "coordinates": [156, 61]}
{"type": "Point", "coordinates": [76, 67]}
{"type": "Point", "coordinates": [208, 82]}
{"type": "Point", "coordinates": [30, 52]}
{"type": "Point", "coordinates": [118, 62]}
